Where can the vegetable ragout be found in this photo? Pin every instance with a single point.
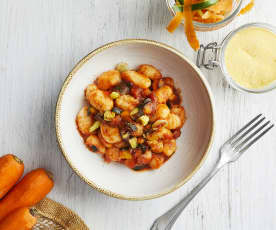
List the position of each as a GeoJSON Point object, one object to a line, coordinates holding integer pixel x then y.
{"type": "Point", "coordinates": [133, 117]}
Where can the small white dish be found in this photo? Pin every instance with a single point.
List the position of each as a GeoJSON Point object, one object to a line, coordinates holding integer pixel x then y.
{"type": "Point", "coordinates": [197, 134]}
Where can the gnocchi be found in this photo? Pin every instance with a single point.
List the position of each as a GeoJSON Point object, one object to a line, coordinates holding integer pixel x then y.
{"type": "Point", "coordinates": [137, 79]}
{"type": "Point", "coordinates": [108, 79]}
{"type": "Point", "coordinates": [174, 121]}
{"type": "Point", "coordinates": [126, 102]}
{"type": "Point", "coordinates": [180, 112]}
{"type": "Point", "coordinates": [95, 144]}
{"type": "Point", "coordinates": [161, 133]}
{"type": "Point", "coordinates": [162, 111]}
{"type": "Point", "coordinates": [156, 146]}
{"type": "Point", "coordinates": [156, 161]}
{"type": "Point", "coordinates": [112, 154]}
{"type": "Point", "coordinates": [110, 134]}
{"type": "Point", "coordinates": [150, 71]}
{"type": "Point", "coordinates": [98, 98]}
{"type": "Point", "coordinates": [106, 144]}
{"type": "Point", "coordinates": [84, 121]}
{"type": "Point", "coordinates": [132, 117]}
{"type": "Point", "coordinates": [169, 147]}
{"type": "Point", "coordinates": [163, 94]}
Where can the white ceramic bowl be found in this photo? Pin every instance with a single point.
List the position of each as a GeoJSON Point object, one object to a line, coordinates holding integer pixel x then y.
{"type": "Point", "coordinates": [197, 134]}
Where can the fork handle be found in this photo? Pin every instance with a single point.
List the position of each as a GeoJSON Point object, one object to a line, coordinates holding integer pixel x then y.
{"type": "Point", "coordinates": [167, 220]}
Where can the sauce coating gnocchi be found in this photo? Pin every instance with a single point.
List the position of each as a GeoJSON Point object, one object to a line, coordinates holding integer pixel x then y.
{"type": "Point", "coordinates": [132, 117]}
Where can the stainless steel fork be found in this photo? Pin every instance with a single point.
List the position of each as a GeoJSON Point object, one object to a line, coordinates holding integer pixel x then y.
{"type": "Point", "coordinates": [230, 151]}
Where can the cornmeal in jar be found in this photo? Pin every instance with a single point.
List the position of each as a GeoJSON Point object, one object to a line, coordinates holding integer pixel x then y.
{"type": "Point", "coordinates": [250, 57]}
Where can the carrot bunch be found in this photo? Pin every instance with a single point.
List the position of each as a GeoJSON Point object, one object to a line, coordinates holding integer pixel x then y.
{"type": "Point", "coordinates": [17, 199]}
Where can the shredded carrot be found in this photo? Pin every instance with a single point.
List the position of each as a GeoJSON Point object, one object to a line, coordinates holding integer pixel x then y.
{"type": "Point", "coordinates": [247, 8]}
{"type": "Point", "coordinates": [175, 22]}
{"type": "Point", "coordinates": [189, 26]}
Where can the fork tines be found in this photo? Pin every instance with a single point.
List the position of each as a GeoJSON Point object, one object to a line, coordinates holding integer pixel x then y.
{"type": "Point", "coordinates": [250, 133]}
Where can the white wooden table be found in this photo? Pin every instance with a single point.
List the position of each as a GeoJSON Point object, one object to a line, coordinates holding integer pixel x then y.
{"type": "Point", "coordinates": [41, 41]}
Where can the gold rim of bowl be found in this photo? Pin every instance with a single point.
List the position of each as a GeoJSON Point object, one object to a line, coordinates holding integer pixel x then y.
{"type": "Point", "coordinates": [68, 80]}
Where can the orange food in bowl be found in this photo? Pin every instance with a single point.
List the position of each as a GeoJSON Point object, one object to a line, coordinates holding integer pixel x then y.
{"type": "Point", "coordinates": [140, 128]}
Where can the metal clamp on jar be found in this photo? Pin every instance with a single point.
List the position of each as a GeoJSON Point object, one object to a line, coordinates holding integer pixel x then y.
{"type": "Point", "coordinates": [213, 55]}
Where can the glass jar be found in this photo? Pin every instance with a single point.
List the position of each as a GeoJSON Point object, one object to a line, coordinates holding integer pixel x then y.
{"type": "Point", "coordinates": [237, 4]}
{"type": "Point", "coordinates": [212, 56]}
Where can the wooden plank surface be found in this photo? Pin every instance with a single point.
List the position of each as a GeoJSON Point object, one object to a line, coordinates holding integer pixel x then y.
{"type": "Point", "coordinates": [41, 41]}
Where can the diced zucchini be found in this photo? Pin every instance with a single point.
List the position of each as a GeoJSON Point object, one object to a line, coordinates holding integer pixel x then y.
{"type": "Point", "coordinates": [114, 95]}
{"type": "Point", "coordinates": [144, 120]}
{"type": "Point", "coordinates": [95, 126]}
{"type": "Point", "coordinates": [109, 115]}
{"type": "Point", "coordinates": [133, 142]}
{"type": "Point", "coordinates": [133, 112]}
{"type": "Point", "coordinates": [125, 135]}
{"type": "Point", "coordinates": [196, 6]}
{"type": "Point", "coordinates": [122, 67]}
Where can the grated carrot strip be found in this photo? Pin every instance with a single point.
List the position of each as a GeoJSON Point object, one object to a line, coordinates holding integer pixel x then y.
{"type": "Point", "coordinates": [175, 22]}
{"type": "Point", "coordinates": [247, 8]}
{"type": "Point", "coordinates": [189, 26]}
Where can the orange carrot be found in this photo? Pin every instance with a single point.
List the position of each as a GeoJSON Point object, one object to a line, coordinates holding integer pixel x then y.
{"type": "Point", "coordinates": [29, 191]}
{"type": "Point", "coordinates": [247, 8]}
{"type": "Point", "coordinates": [11, 169]}
{"type": "Point", "coordinates": [189, 26]}
{"type": "Point", "coordinates": [20, 219]}
{"type": "Point", "coordinates": [175, 22]}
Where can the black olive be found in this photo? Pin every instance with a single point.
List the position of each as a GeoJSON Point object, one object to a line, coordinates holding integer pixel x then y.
{"type": "Point", "coordinates": [94, 148]}
{"type": "Point", "coordinates": [123, 88]}
{"type": "Point", "coordinates": [143, 147]}
{"type": "Point", "coordinates": [99, 117]}
{"type": "Point", "coordinates": [117, 110]}
{"type": "Point", "coordinates": [146, 101]}
{"type": "Point", "coordinates": [124, 148]}
{"type": "Point", "coordinates": [137, 115]}
{"type": "Point", "coordinates": [132, 127]}
{"type": "Point", "coordinates": [139, 167]}
{"type": "Point", "coordinates": [140, 113]}
{"type": "Point", "coordinates": [169, 104]}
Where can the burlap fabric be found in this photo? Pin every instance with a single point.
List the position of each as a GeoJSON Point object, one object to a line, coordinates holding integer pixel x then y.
{"type": "Point", "coordinates": [54, 216]}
